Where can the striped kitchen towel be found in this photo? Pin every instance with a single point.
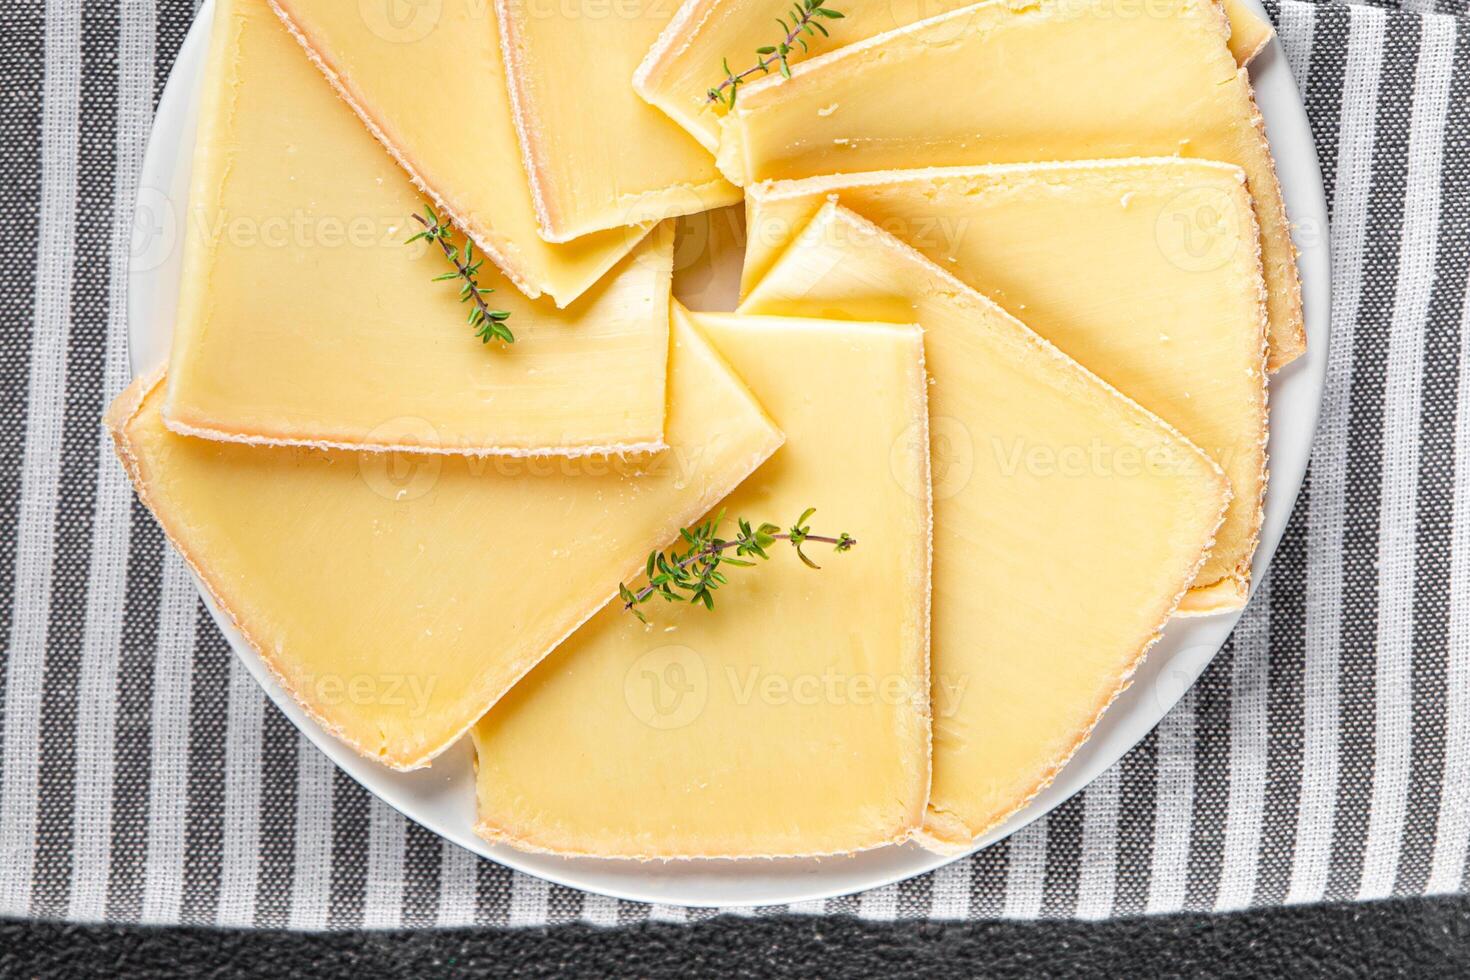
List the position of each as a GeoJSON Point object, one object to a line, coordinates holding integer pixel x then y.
{"type": "Point", "coordinates": [1324, 755]}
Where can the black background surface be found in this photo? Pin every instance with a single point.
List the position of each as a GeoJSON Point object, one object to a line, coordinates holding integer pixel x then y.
{"type": "Point", "coordinates": [1411, 938]}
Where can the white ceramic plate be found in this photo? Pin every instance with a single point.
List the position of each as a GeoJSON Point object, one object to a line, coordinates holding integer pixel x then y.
{"type": "Point", "coordinates": [442, 797]}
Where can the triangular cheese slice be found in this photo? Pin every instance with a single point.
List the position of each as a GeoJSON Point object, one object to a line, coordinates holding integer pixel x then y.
{"type": "Point", "coordinates": [305, 319]}
{"type": "Point", "coordinates": [1144, 271]}
{"type": "Point", "coordinates": [427, 80]}
{"type": "Point", "coordinates": [687, 59]}
{"type": "Point", "coordinates": [1068, 521]}
{"type": "Point", "coordinates": [792, 718]}
{"type": "Point", "coordinates": [596, 154]}
{"type": "Point", "coordinates": [397, 597]}
{"type": "Point", "coordinates": [1005, 82]}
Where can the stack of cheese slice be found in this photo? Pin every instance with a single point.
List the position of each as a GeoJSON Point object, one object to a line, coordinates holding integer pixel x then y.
{"type": "Point", "coordinates": [795, 720]}
{"type": "Point", "coordinates": [432, 86]}
{"type": "Point", "coordinates": [1068, 521]}
{"type": "Point", "coordinates": [397, 597]}
{"type": "Point", "coordinates": [596, 155]}
{"type": "Point", "coordinates": [305, 319]}
{"type": "Point", "coordinates": [688, 57]}
{"type": "Point", "coordinates": [1145, 271]}
{"type": "Point", "coordinates": [1099, 80]}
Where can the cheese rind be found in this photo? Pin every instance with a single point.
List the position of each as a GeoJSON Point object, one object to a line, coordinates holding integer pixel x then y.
{"type": "Point", "coordinates": [596, 155]}
{"type": "Point", "coordinates": [398, 597]}
{"type": "Point", "coordinates": [1145, 271]}
{"type": "Point", "coordinates": [686, 60]}
{"type": "Point", "coordinates": [1099, 81]}
{"type": "Point", "coordinates": [1068, 521]}
{"type": "Point", "coordinates": [304, 318]}
{"type": "Point", "coordinates": [393, 71]}
{"type": "Point", "coordinates": [792, 719]}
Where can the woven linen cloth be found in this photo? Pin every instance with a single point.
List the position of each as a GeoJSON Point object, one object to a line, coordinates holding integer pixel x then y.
{"type": "Point", "coordinates": [1324, 755]}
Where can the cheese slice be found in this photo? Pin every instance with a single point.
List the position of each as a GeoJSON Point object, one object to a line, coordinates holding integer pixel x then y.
{"type": "Point", "coordinates": [792, 719]}
{"type": "Point", "coordinates": [427, 80]}
{"type": "Point", "coordinates": [1068, 521]}
{"type": "Point", "coordinates": [305, 319]}
{"type": "Point", "coordinates": [397, 597]}
{"type": "Point", "coordinates": [1007, 82]}
{"type": "Point", "coordinates": [1249, 31]}
{"type": "Point", "coordinates": [1144, 271]}
{"type": "Point", "coordinates": [688, 57]}
{"type": "Point", "coordinates": [597, 155]}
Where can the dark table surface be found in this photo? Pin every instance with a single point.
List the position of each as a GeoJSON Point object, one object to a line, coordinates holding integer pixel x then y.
{"type": "Point", "coordinates": [1415, 938]}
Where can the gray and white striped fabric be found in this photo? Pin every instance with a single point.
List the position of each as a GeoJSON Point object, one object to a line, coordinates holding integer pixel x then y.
{"type": "Point", "coordinates": [1324, 755]}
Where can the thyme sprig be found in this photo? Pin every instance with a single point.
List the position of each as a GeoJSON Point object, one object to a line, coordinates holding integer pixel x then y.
{"type": "Point", "coordinates": [488, 324]}
{"type": "Point", "coordinates": [692, 573]}
{"type": "Point", "coordinates": [806, 21]}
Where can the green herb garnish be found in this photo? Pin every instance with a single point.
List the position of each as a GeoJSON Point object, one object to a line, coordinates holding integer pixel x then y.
{"type": "Point", "coordinates": [806, 19]}
{"type": "Point", "coordinates": [692, 573]}
{"type": "Point", "coordinates": [488, 324]}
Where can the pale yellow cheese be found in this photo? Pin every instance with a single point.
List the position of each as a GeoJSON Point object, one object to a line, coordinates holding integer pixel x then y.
{"type": "Point", "coordinates": [597, 155]}
{"type": "Point", "coordinates": [305, 319]}
{"type": "Point", "coordinates": [1068, 521]}
{"type": "Point", "coordinates": [1144, 271]}
{"type": "Point", "coordinates": [792, 719]}
{"type": "Point", "coordinates": [1002, 82]}
{"type": "Point", "coordinates": [687, 59]}
{"type": "Point", "coordinates": [427, 80]}
{"type": "Point", "coordinates": [397, 597]}
{"type": "Point", "coordinates": [1249, 31]}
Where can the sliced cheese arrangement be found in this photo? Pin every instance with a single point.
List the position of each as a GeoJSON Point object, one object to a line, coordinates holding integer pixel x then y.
{"type": "Point", "coordinates": [428, 81]}
{"type": "Point", "coordinates": [597, 156]}
{"type": "Point", "coordinates": [397, 599]}
{"type": "Point", "coordinates": [353, 344]}
{"type": "Point", "coordinates": [1145, 271]}
{"type": "Point", "coordinates": [1068, 521]}
{"type": "Point", "coordinates": [687, 739]}
{"type": "Point", "coordinates": [458, 432]}
{"type": "Point", "coordinates": [1100, 80]}
{"type": "Point", "coordinates": [686, 61]}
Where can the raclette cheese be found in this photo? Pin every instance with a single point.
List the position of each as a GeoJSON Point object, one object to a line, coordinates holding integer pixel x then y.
{"type": "Point", "coordinates": [304, 318]}
{"type": "Point", "coordinates": [397, 597]}
{"type": "Point", "coordinates": [793, 718]}
{"type": "Point", "coordinates": [1144, 271]}
{"type": "Point", "coordinates": [427, 80]}
{"type": "Point", "coordinates": [597, 155]}
{"type": "Point", "coordinates": [1003, 82]}
{"type": "Point", "coordinates": [1068, 521]}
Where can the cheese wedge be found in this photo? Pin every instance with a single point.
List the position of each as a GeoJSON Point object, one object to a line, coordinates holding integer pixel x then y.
{"type": "Point", "coordinates": [597, 155]}
{"type": "Point", "coordinates": [687, 59]}
{"type": "Point", "coordinates": [305, 319]}
{"type": "Point", "coordinates": [1249, 31]}
{"type": "Point", "coordinates": [792, 719]}
{"type": "Point", "coordinates": [427, 80]}
{"type": "Point", "coordinates": [1068, 521]}
{"type": "Point", "coordinates": [1144, 271]}
{"type": "Point", "coordinates": [398, 597]}
{"type": "Point", "coordinates": [1007, 82]}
